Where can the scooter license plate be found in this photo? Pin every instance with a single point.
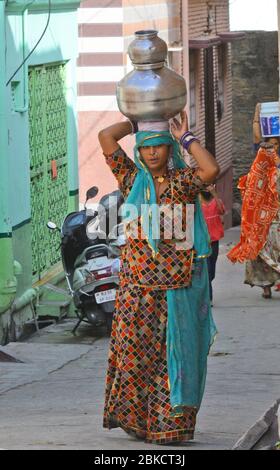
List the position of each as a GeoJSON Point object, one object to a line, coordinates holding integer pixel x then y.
{"type": "Point", "coordinates": [105, 296]}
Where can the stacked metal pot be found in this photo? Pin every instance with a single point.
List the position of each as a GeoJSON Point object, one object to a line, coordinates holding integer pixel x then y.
{"type": "Point", "coordinates": [152, 91]}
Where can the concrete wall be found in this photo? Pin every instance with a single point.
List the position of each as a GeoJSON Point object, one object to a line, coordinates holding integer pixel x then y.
{"type": "Point", "coordinates": [255, 79]}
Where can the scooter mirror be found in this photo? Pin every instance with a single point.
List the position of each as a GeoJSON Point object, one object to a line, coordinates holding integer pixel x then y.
{"type": "Point", "coordinates": [51, 225]}
{"type": "Point", "coordinates": [92, 192]}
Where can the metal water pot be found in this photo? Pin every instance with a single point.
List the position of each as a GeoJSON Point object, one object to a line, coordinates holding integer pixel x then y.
{"type": "Point", "coordinates": [152, 91]}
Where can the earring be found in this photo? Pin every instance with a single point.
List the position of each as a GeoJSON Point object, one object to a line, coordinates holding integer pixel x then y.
{"type": "Point", "coordinates": [170, 163]}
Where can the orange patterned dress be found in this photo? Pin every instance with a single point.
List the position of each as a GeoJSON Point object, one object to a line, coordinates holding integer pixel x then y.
{"type": "Point", "coordinates": [137, 390]}
{"type": "Point", "coordinates": [264, 271]}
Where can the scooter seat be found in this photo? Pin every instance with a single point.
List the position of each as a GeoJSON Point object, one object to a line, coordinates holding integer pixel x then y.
{"type": "Point", "coordinates": [94, 251]}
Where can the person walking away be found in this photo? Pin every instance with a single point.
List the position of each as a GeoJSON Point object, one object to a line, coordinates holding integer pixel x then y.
{"type": "Point", "coordinates": [213, 208]}
{"type": "Point", "coordinates": [259, 244]}
{"type": "Point", "coordinates": [264, 271]}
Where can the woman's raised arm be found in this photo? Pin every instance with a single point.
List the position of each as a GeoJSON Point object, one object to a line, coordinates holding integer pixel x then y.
{"type": "Point", "coordinates": [208, 168]}
{"type": "Point", "coordinates": [110, 136]}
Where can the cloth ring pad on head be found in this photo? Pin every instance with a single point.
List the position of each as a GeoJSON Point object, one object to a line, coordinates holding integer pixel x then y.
{"type": "Point", "coordinates": [153, 126]}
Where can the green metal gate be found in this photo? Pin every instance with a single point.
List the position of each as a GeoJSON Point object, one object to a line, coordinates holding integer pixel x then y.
{"type": "Point", "coordinates": [48, 161]}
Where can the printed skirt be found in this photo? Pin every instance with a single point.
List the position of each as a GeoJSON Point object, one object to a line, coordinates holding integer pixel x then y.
{"type": "Point", "coordinates": [137, 389]}
{"type": "Point", "coordinates": [265, 269]}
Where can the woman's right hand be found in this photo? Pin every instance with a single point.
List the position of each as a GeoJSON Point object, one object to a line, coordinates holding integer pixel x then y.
{"type": "Point", "coordinates": [178, 129]}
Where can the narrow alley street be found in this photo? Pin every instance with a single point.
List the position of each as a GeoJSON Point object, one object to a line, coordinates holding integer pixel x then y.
{"type": "Point", "coordinates": [54, 399]}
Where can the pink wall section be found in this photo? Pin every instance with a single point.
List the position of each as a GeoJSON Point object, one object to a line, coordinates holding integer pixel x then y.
{"type": "Point", "coordinates": [93, 170]}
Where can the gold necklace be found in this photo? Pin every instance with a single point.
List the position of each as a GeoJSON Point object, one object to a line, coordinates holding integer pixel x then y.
{"type": "Point", "coordinates": [160, 178]}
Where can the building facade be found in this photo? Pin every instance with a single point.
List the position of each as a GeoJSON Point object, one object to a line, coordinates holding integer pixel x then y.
{"type": "Point", "coordinates": [38, 145]}
{"type": "Point", "coordinates": [210, 71]}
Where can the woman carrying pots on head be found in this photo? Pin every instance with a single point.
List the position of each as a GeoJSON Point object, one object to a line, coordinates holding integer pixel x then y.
{"type": "Point", "coordinates": [162, 327]}
{"type": "Point", "coordinates": [259, 244]}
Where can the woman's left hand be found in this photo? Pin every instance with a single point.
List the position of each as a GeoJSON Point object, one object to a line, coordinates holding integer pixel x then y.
{"type": "Point", "coordinates": [178, 129]}
{"type": "Point", "coordinates": [212, 189]}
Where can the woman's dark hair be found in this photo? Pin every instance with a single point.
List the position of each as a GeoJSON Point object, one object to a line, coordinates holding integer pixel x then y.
{"type": "Point", "coordinates": [206, 195]}
{"type": "Point", "coordinates": [276, 137]}
{"type": "Point", "coordinates": [266, 139]}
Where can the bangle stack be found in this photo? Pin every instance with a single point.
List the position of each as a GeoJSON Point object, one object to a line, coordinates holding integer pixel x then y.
{"type": "Point", "coordinates": [187, 139]}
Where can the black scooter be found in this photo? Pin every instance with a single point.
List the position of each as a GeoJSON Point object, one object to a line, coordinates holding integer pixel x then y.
{"type": "Point", "coordinates": [90, 256]}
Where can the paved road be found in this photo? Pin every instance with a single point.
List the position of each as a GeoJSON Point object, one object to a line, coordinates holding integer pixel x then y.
{"type": "Point", "coordinates": [55, 399]}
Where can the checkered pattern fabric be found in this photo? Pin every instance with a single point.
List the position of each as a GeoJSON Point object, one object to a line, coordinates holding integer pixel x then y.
{"type": "Point", "coordinates": [186, 183]}
{"type": "Point", "coordinates": [137, 392]}
{"type": "Point", "coordinates": [172, 267]}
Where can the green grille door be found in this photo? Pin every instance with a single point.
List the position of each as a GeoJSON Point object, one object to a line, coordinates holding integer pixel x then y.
{"type": "Point", "coordinates": [48, 161]}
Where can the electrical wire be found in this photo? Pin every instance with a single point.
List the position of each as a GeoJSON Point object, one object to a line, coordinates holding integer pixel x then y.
{"type": "Point", "coordinates": [37, 43]}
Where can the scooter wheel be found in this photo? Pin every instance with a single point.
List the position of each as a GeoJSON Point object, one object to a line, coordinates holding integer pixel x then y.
{"type": "Point", "coordinates": [95, 316]}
